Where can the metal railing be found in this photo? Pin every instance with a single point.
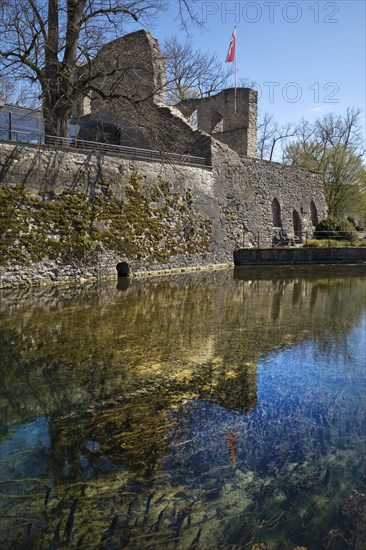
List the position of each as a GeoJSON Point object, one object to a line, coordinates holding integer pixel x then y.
{"type": "Point", "coordinates": [134, 153]}
{"type": "Point", "coordinates": [257, 238]}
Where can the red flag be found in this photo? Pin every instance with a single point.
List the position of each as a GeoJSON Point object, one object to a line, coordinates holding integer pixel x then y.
{"type": "Point", "coordinates": [231, 52]}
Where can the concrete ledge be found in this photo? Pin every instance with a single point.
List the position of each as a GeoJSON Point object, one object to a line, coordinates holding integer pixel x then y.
{"type": "Point", "coordinates": [177, 270]}
{"type": "Point", "coordinates": [289, 256]}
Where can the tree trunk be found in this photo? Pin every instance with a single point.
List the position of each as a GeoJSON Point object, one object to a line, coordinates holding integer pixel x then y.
{"type": "Point", "coordinates": [58, 84]}
{"type": "Point", "coordinates": [56, 120]}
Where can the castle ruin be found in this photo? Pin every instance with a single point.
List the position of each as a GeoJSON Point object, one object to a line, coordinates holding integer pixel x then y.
{"type": "Point", "coordinates": [129, 107]}
{"type": "Point", "coordinates": [232, 200]}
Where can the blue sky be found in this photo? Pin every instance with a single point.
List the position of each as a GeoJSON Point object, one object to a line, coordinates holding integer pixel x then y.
{"type": "Point", "coordinates": [307, 57]}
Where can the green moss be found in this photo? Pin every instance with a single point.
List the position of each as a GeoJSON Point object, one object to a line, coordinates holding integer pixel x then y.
{"type": "Point", "coordinates": [332, 243]}
{"type": "Point", "coordinates": [152, 223]}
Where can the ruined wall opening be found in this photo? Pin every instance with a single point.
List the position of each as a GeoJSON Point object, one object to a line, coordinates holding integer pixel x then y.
{"type": "Point", "coordinates": [193, 119]}
{"type": "Point", "coordinates": [313, 213]}
{"type": "Point", "coordinates": [296, 221]}
{"type": "Point", "coordinates": [86, 104]}
{"type": "Point", "coordinates": [217, 122]}
{"type": "Point", "coordinates": [276, 213]}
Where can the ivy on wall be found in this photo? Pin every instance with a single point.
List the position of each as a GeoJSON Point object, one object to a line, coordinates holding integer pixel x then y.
{"type": "Point", "coordinates": [149, 223]}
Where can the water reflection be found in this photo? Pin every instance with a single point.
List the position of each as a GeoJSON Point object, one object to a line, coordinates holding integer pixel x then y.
{"type": "Point", "coordinates": [197, 410]}
{"type": "Point", "coordinates": [123, 284]}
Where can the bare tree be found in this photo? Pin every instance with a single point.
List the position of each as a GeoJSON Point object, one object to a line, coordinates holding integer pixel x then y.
{"type": "Point", "coordinates": [266, 131]}
{"type": "Point", "coordinates": [17, 92]}
{"type": "Point", "coordinates": [271, 134]}
{"type": "Point", "coordinates": [190, 72]}
{"type": "Point", "coordinates": [333, 146]}
{"type": "Point", "coordinates": [332, 131]}
{"type": "Point", "coordinates": [44, 42]}
{"type": "Point", "coordinates": [282, 134]}
{"type": "Point", "coordinates": [346, 131]}
{"type": "Point", "coordinates": [246, 82]}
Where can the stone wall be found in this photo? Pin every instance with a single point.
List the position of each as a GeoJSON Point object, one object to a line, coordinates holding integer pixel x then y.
{"type": "Point", "coordinates": [124, 70]}
{"type": "Point", "coordinates": [247, 188]}
{"type": "Point", "coordinates": [230, 116]}
{"type": "Point", "coordinates": [291, 256]}
{"type": "Point", "coordinates": [70, 214]}
{"type": "Point", "coordinates": [126, 104]}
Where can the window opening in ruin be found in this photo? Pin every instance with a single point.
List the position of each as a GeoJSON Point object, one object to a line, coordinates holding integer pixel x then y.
{"type": "Point", "coordinates": [86, 105]}
{"type": "Point", "coordinates": [313, 213]}
{"type": "Point", "coordinates": [217, 123]}
{"type": "Point", "coordinates": [296, 221]}
{"type": "Point", "coordinates": [193, 120]}
{"type": "Point", "coordinates": [276, 213]}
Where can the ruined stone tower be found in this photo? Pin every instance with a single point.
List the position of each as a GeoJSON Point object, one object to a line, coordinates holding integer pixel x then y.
{"type": "Point", "coordinates": [217, 116]}
{"type": "Point", "coordinates": [126, 104]}
{"type": "Point", "coordinates": [128, 77]}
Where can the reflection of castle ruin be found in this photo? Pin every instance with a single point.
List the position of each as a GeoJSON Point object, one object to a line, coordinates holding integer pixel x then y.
{"type": "Point", "coordinates": [208, 350]}
{"type": "Point", "coordinates": [142, 385]}
{"type": "Point", "coordinates": [137, 430]}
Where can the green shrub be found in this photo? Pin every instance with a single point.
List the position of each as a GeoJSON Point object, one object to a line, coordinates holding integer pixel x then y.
{"type": "Point", "coordinates": [335, 228]}
{"type": "Point", "coordinates": [355, 225]}
{"type": "Point", "coordinates": [332, 243]}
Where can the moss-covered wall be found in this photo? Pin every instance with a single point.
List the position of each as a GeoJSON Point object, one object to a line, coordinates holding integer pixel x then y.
{"type": "Point", "coordinates": [76, 214]}
{"type": "Point", "coordinates": [149, 224]}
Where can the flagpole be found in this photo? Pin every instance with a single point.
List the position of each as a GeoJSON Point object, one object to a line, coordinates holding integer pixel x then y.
{"type": "Point", "coordinates": [235, 70]}
{"type": "Point", "coordinates": [231, 57]}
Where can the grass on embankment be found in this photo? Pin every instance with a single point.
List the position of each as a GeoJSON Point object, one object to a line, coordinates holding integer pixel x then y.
{"type": "Point", "coordinates": [333, 243]}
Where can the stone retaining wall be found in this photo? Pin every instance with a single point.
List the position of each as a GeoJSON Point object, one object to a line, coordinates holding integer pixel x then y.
{"type": "Point", "coordinates": [68, 214]}
{"type": "Point", "coordinates": [290, 256]}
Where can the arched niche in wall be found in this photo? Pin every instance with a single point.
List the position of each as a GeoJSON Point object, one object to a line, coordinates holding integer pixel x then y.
{"type": "Point", "coordinates": [276, 213]}
{"type": "Point", "coordinates": [296, 221]}
{"type": "Point", "coordinates": [217, 122]}
{"type": "Point", "coordinates": [313, 213]}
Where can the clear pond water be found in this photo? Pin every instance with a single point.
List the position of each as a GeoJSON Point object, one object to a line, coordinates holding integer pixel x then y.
{"type": "Point", "coordinates": [210, 410]}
